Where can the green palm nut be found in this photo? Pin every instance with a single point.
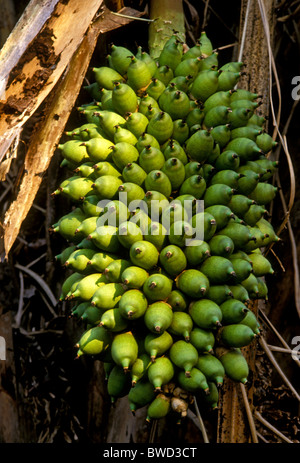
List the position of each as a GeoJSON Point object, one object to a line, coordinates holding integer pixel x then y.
{"type": "Point", "coordinates": [180, 233]}
{"type": "Point", "coordinates": [206, 314]}
{"type": "Point", "coordinates": [218, 193]}
{"type": "Point", "coordinates": [124, 98]}
{"type": "Point", "coordinates": [106, 76]}
{"type": "Point", "coordinates": [87, 226]}
{"type": "Point", "coordinates": [106, 168]}
{"type": "Point", "coordinates": [73, 151]}
{"type": "Point", "coordinates": [184, 355]}
{"type": "Point", "coordinates": [212, 368]}
{"type": "Point", "coordinates": [160, 126]}
{"type": "Point", "coordinates": [70, 282]}
{"type": "Point", "coordinates": [239, 117]}
{"type": "Point", "coordinates": [199, 145]}
{"type": "Point", "coordinates": [79, 309]}
{"type": "Point", "coordinates": [205, 224]}
{"type": "Point", "coordinates": [193, 168]}
{"type": "Point", "coordinates": [134, 277]}
{"type": "Point", "coordinates": [140, 395]}
{"type": "Point", "coordinates": [173, 260]}
{"type": "Point", "coordinates": [211, 397]}
{"type": "Point", "coordinates": [177, 104]}
{"type": "Point", "coordinates": [265, 142]}
{"type": "Point", "coordinates": [113, 321]}
{"type": "Point", "coordinates": [239, 233]}
{"type": "Point", "coordinates": [164, 73]}
{"type": "Point", "coordinates": [227, 80]}
{"type": "Point", "coordinates": [228, 159]}
{"type": "Point", "coordinates": [130, 192]}
{"type": "Point", "coordinates": [171, 53]}
{"type": "Point", "coordinates": [193, 283]}
{"type": "Point", "coordinates": [114, 270]}
{"type": "Point", "coordinates": [263, 193]}
{"type": "Point", "coordinates": [158, 317]}
{"type": "Point", "coordinates": [136, 123]}
{"type": "Point", "coordinates": [105, 238]}
{"type": "Point", "coordinates": [144, 56]}
{"type": "Point", "coordinates": [189, 67]}
{"type": "Point", "coordinates": [146, 140]}
{"type": "Point", "coordinates": [216, 116]}
{"type": "Point", "coordinates": [267, 228]}
{"type": "Point", "coordinates": [202, 339]}
{"type": "Point", "coordinates": [261, 265]}
{"type": "Point", "coordinates": [114, 213]}
{"type": "Point", "coordinates": [240, 204]}
{"type": "Point", "coordinates": [92, 315]}
{"type": "Point", "coordinates": [155, 88]}
{"type": "Point", "coordinates": [197, 253]}
{"type": "Point", "coordinates": [160, 372]}
{"type": "Point", "coordinates": [108, 295]}
{"type": "Point", "coordinates": [195, 382]}
{"type": "Point", "coordinates": [75, 188]}
{"type": "Point", "coordinates": [139, 369]}
{"type": "Point", "coordinates": [245, 148]}
{"type": "Point", "coordinates": [157, 344]}
{"type": "Point", "coordinates": [234, 363]}
{"type": "Point", "coordinates": [217, 99]}
{"type": "Point", "coordinates": [144, 254]}
{"type": "Point", "coordinates": [124, 350]}
{"type": "Point", "coordinates": [217, 269]}
{"type": "Point", "coordinates": [226, 177]}
{"type": "Point", "coordinates": [151, 158]}
{"type": "Point", "coordinates": [221, 245]}
{"type": "Point", "coordinates": [239, 292]}
{"type": "Point", "coordinates": [233, 311]}
{"type": "Point", "coordinates": [121, 58]}
{"type": "Point", "coordinates": [182, 82]}
{"type": "Point", "coordinates": [219, 293]}
{"type": "Point", "coordinates": [222, 214]}
{"type": "Point", "coordinates": [175, 171]}
{"type": "Point", "coordinates": [221, 134]}
{"type": "Point", "coordinates": [122, 134]}
{"type": "Point", "coordinates": [123, 153]}
{"type": "Point", "coordinates": [254, 214]}
{"type": "Point", "coordinates": [86, 286]}
{"type": "Point", "coordinates": [262, 289]}
{"type": "Point", "coordinates": [251, 320]}
{"type": "Point", "coordinates": [246, 104]}
{"type": "Point", "coordinates": [63, 256]}
{"type": "Point", "coordinates": [98, 149]}
{"type": "Point", "coordinates": [178, 301]}
{"type": "Point", "coordinates": [128, 233]}
{"type": "Point", "coordinates": [235, 335]}
{"type": "Point", "coordinates": [94, 341]}
{"type": "Point", "coordinates": [173, 149]}
{"type": "Point", "coordinates": [182, 325]}
{"type": "Point", "coordinates": [148, 105]}
{"type": "Point", "coordinates": [245, 132]}
{"type": "Point", "coordinates": [118, 383]}
{"type": "Point", "coordinates": [68, 224]}
{"type": "Point", "coordinates": [247, 182]}
{"type": "Point", "coordinates": [158, 408]}
{"type": "Point", "coordinates": [140, 217]}
{"type": "Point", "coordinates": [86, 170]}
{"type": "Point", "coordinates": [269, 166]}
{"type": "Point", "coordinates": [133, 304]}
{"type": "Point", "coordinates": [107, 187]}
{"type": "Point", "coordinates": [79, 259]}
{"type": "Point", "coordinates": [100, 260]}
{"type": "Point", "coordinates": [138, 74]}
{"type": "Point", "coordinates": [156, 234]}
{"type": "Point", "coordinates": [195, 117]}
{"type": "Point", "coordinates": [194, 185]}
{"type": "Point", "coordinates": [157, 180]}
{"type": "Point", "coordinates": [205, 84]}
{"type": "Point", "coordinates": [242, 269]}
{"type": "Point", "coordinates": [210, 62]}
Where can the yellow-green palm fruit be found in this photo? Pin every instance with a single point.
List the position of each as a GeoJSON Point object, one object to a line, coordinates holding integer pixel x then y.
{"type": "Point", "coordinates": [120, 58]}
{"type": "Point", "coordinates": [221, 134]}
{"type": "Point", "coordinates": [197, 253]}
{"type": "Point", "coordinates": [245, 132]}
{"type": "Point", "coordinates": [157, 344]}
{"type": "Point", "coordinates": [221, 245]}
{"type": "Point", "coordinates": [107, 366]}
{"type": "Point", "coordinates": [91, 206]}
{"type": "Point", "coordinates": [267, 228]}
{"type": "Point", "coordinates": [144, 56]}
{"type": "Point", "coordinates": [140, 217]}
{"type": "Point", "coordinates": [247, 182]}
{"type": "Point", "coordinates": [107, 186]}
{"type": "Point", "coordinates": [134, 277]}
{"type": "Point", "coordinates": [240, 293]}
{"type": "Point", "coordinates": [157, 180]}
{"type": "Point", "coordinates": [86, 287]}
{"type": "Point", "coordinates": [160, 372]}
{"type": "Point", "coordinates": [173, 149]}
{"type": "Point", "coordinates": [182, 82]}
{"type": "Point", "coordinates": [208, 169]}
{"type": "Point", "coordinates": [100, 260]}
{"type": "Point", "coordinates": [171, 53]}
{"type": "Point", "coordinates": [233, 311]}
{"type": "Point", "coordinates": [246, 148]}
{"type": "Point", "coordinates": [63, 256]}
{"type": "Point", "coordinates": [146, 140]}
{"type": "Point", "coordinates": [217, 269]}
{"type": "Point", "coordinates": [206, 314]}
{"type": "Point", "coordinates": [192, 52]}
{"type": "Point", "coordinates": [256, 120]}
{"type": "Point", "coordinates": [199, 145]}
{"type": "Point", "coordinates": [144, 254]}
{"type": "Point", "coordinates": [130, 192]}
{"type": "Point", "coordinates": [265, 142]}
{"type": "Point", "coordinates": [206, 46]}
{"type": "Point", "coordinates": [210, 398]}
{"type": "Point", "coordinates": [219, 293]}
{"type": "Point", "coordinates": [164, 73]}
{"type": "Point", "coordinates": [218, 193]}
{"type": "Point", "coordinates": [261, 265]}
{"type": "Point", "coordinates": [173, 260]}
{"type": "Point", "coordinates": [128, 233]}
{"type": "Point", "coordinates": [251, 320]}
{"type": "Point", "coordinates": [180, 233]}
{"type": "Point", "coordinates": [118, 383]}
{"type": "Point", "coordinates": [157, 287]}
{"type": "Point", "coordinates": [105, 238]}
{"type": "Point", "coordinates": [123, 153]}
{"type": "Point", "coordinates": [220, 98]}
{"type": "Point", "coordinates": [258, 239]}
{"type": "Point", "coordinates": [239, 254]}
{"type": "Point", "coordinates": [263, 193]}
{"type": "Point", "coordinates": [94, 90]}
{"type": "Point", "coordinates": [202, 339]}
{"type": "Point", "coordinates": [86, 170]}
{"type": "Point", "coordinates": [239, 233]}
{"type": "Point", "coordinates": [140, 395]}
{"type": "Point", "coordinates": [193, 168]}
{"type": "Point", "coordinates": [242, 269]}
{"type": "Point", "coordinates": [227, 80]}
{"type": "Point", "coordinates": [155, 88]}
{"type": "Point", "coordinates": [205, 84]}
{"type": "Point", "coordinates": [156, 234]}
{"type": "Point", "coordinates": [137, 123]}
{"type": "Point", "coordinates": [79, 309]}
{"type": "Point", "coordinates": [145, 101]}
{"type": "Point", "coordinates": [124, 350]}
{"type": "Point", "coordinates": [210, 62]}
{"type": "Point", "coordinates": [106, 76]}
{"type": "Point", "coordinates": [212, 368]}
{"type": "Point", "coordinates": [92, 315]}
{"type": "Point", "coordinates": [160, 126]}
{"type": "Point", "coordinates": [246, 104]}
{"type": "Point", "coordinates": [107, 296]}
{"type": "Point", "coordinates": [189, 67]}
{"type": "Point", "coordinates": [194, 185]}
{"type": "Point", "coordinates": [181, 131]}
{"type": "Point", "coordinates": [175, 211]}
{"type": "Point", "coordinates": [216, 116]}
{"type": "Point", "coordinates": [235, 335]}
{"type": "Point", "coordinates": [195, 117]}
{"type": "Point", "coordinates": [194, 382]}
{"type": "Point", "coordinates": [114, 270]}
{"type": "Point", "coordinates": [204, 223]}
{"type": "Point", "coordinates": [71, 281]}
{"type": "Point", "coordinates": [240, 204]}
{"type": "Point", "coordinates": [184, 355]}
{"type": "Point", "coordinates": [226, 177]}
{"type": "Point", "coordinates": [234, 363]}
{"type": "Point", "coordinates": [98, 149]}
{"type": "Point", "coordinates": [138, 74]}
{"type": "Point", "coordinates": [139, 369]}
{"type": "Point", "coordinates": [254, 214]}
{"type": "Point", "coordinates": [122, 134]}
{"type": "Point", "coordinates": [94, 341]}
{"type": "Point", "coordinates": [69, 165]}
{"type": "Point", "coordinates": [269, 166]}
{"type": "Point", "coordinates": [262, 289]}
{"type": "Point", "coordinates": [114, 213]}
{"type": "Point", "coordinates": [182, 325]}
{"type": "Point", "coordinates": [193, 283]}
{"type": "Point", "coordinates": [108, 119]}
{"type": "Point", "coordinates": [133, 304]}
{"type": "Point", "coordinates": [87, 226]}
{"type": "Point", "coordinates": [73, 151]}
{"type": "Point", "coordinates": [76, 188]}
{"type": "Point", "coordinates": [67, 225]}
{"type": "Point", "coordinates": [151, 158]}
{"type": "Point", "coordinates": [228, 159]}
{"type": "Point", "coordinates": [222, 214]}
{"type": "Point", "coordinates": [79, 259]}
{"type": "Point", "coordinates": [239, 117]}
{"type": "Point", "coordinates": [158, 317]}
{"type": "Point", "coordinates": [112, 320]}
{"type": "Point", "coordinates": [158, 408]}
{"type": "Point", "coordinates": [251, 285]}
{"type": "Point", "coordinates": [177, 104]}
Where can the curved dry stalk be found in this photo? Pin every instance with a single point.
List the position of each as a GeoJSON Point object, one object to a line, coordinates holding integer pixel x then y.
{"type": "Point", "coordinates": [40, 281]}
{"type": "Point", "coordinates": [202, 427]}
{"type": "Point", "coordinates": [272, 428]}
{"type": "Point", "coordinates": [249, 414]}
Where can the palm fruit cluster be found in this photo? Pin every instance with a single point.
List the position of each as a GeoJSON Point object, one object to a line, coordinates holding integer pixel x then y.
{"type": "Point", "coordinates": [167, 311]}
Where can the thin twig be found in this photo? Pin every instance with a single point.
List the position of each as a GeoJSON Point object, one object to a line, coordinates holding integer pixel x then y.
{"type": "Point", "coordinates": [249, 414]}
{"type": "Point", "coordinates": [262, 437]}
{"type": "Point", "coordinates": [281, 349]}
{"type": "Point", "coordinates": [19, 313]}
{"type": "Point", "coordinates": [132, 17]}
{"type": "Point", "coordinates": [203, 430]}
{"type": "Point", "coordinates": [40, 281]}
{"type": "Point", "coordinates": [204, 23]}
{"type": "Point", "coordinates": [31, 264]}
{"type": "Point", "coordinates": [272, 428]}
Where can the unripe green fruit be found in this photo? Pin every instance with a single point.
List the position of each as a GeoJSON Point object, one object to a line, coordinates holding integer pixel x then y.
{"type": "Point", "coordinates": [228, 159]}
{"type": "Point", "coordinates": [157, 287]}
{"type": "Point", "coordinates": [205, 223]}
{"type": "Point", "coordinates": [195, 117]}
{"type": "Point", "coordinates": [94, 341]}
{"type": "Point", "coordinates": [193, 168]}
{"type": "Point", "coordinates": [247, 182]}
{"type": "Point", "coordinates": [236, 335]}
{"type": "Point", "coordinates": [251, 321]}
{"type": "Point", "coordinates": [269, 166]}
{"type": "Point", "coordinates": [128, 233]}
{"type": "Point", "coordinates": [197, 253]}
{"type": "Point", "coordinates": [263, 193]}
{"type": "Point", "coordinates": [86, 170]}
{"type": "Point", "coordinates": [144, 56]}
{"type": "Point", "coordinates": [240, 293]}
{"type": "Point", "coordinates": [140, 217]}
{"type": "Point", "coordinates": [118, 384]}
{"type": "Point", "coordinates": [98, 149]}
{"type": "Point", "coordinates": [129, 192]}
{"type": "Point", "coordinates": [205, 84]}
{"type": "Point", "coordinates": [114, 213]}
{"type": "Point", "coordinates": [86, 287]}
{"type": "Point", "coordinates": [157, 344]}
{"type": "Point", "coordinates": [233, 311]}
{"type": "Point", "coordinates": [261, 265]}
{"type": "Point", "coordinates": [221, 213]}
{"type": "Point", "coordinates": [212, 368]}
{"type": "Point", "coordinates": [265, 142]}
{"type": "Point", "coordinates": [193, 283]}
{"type": "Point", "coordinates": [182, 325]}
{"type": "Point", "coordinates": [194, 185]}
{"type": "Point", "coordinates": [234, 363]}
{"type": "Point", "coordinates": [193, 383]}
{"type": "Point", "coordinates": [202, 339]}
{"type": "Point", "coordinates": [108, 295]}
{"type": "Point", "coordinates": [164, 73]}
{"type": "Point", "coordinates": [74, 152]}
{"type": "Point", "coordinates": [239, 117]}
{"type": "Point", "coordinates": [70, 282]}
{"type": "Point", "coordinates": [124, 350]}
{"type": "Point", "coordinates": [182, 82]}
{"type": "Point", "coordinates": [75, 188]}
{"type": "Point", "coordinates": [226, 177]}
{"type": "Point", "coordinates": [87, 226]}
{"type": "Point", "coordinates": [199, 145]}
{"type": "Point", "coordinates": [134, 277]}
{"type": "Point", "coordinates": [221, 134]}
{"type": "Point", "coordinates": [178, 301]}
{"type": "Point", "coordinates": [140, 395]}
{"type": "Point", "coordinates": [123, 153]}
{"type": "Point", "coordinates": [177, 104]}
{"type": "Point", "coordinates": [136, 123]}
{"type": "Point", "coordinates": [151, 158]}
{"type": "Point", "coordinates": [160, 372]}
{"type": "Point", "coordinates": [157, 180]}
{"type": "Point", "coordinates": [216, 116]}
{"type": "Point", "coordinates": [68, 224]}
{"type": "Point", "coordinates": [217, 269]}
{"type": "Point", "coordinates": [138, 74]}
{"type": "Point", "coordinates": [161, 127]}
{"type": "Point", "coordinates": [107, 187]}
{"type": "Point", "coordinates": [171, 53]}
{"type": "Point", "coordinates": [114, 270]}
{"type": "Point", "coordinates": [174, 169]}
{"type": "Point", "coordinates": [188, 67]}
{"type": "Point", "coordinates": [227, 80]}
{"type": "Point", "coordinates": [133, 173]}
{"type": "Point", "coordinates": [158, 317]}
{"type": "Point", "coordinates": [79, 259]}
{"type": "Point", "coordinates": [106, 76]}
{"type": "Point", "coordinates": [245, 132]}
{"type": "Point", "coordinates": [157, 235]}
{"type": "Point", "coordinates": [113, 321]}
{"type": "Point", "coordinates": [245, 148]}
{"type": "Point", "coordinates": [100, 260]}
{"type": "Point", "coordinates": [158, 408]}
{"type": "Point", "coordinates": [221, 245]}
{"type": "Point", "coordinates": [122, 134]}
{"type": "Point", "coordinates": [219, 293]}
{"type": "Point", "coordinates": [173, 260]}
{"type": "Point", "coordinates": [144, 254]}
{"type": "Point", "coordinates": [242, 269]}
{"type": "Point", "coordinates": [155, 88]}
{"type": "Point", "coordinates": [80, 308]}
{"type": "Point", "coordinates": [120, 58]}
{"type": "Point", "coordinates": [139, 369]}
{"type": "Point", "coordinates": [206, 314]}
{"type": "Point", "coordinates": [133, 304]}
{"type": "Point", "coordinates": [221, 98]}
{"type": "Point", "coordinates": [173, 149]}
{"type": "Point", "coordinates": [63, 256]}
{"type": "Point", "coordinates": [180, 233]}
{"type": "Point", "coordinates": [91, 206]}
{"type": "Point", "coordinates": [240, 234]}
{"type": "Point", "coordinates": [105, 238]}
{"type": "Point", "coordinates": [218, 194]}
{"type": "Point", "coordinates": [184, 355]}
{"type": "Point", "coordinates": [124, 98]}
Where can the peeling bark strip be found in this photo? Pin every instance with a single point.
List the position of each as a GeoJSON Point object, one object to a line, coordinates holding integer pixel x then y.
{"type": "Point", "coordinates": [48, 131]}
{"type": "Point", "coordinates": [42, 64]}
